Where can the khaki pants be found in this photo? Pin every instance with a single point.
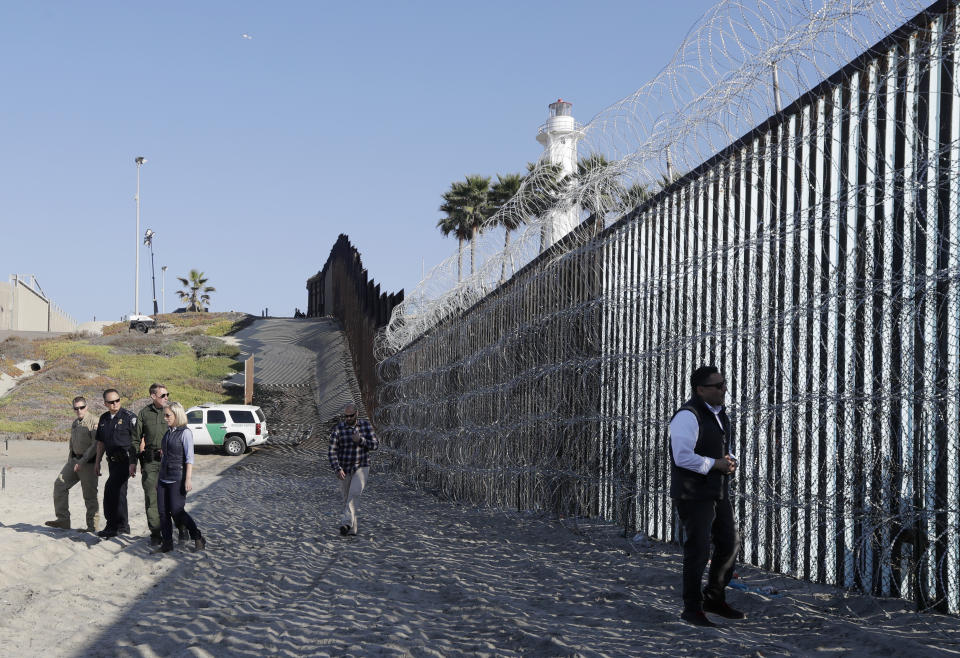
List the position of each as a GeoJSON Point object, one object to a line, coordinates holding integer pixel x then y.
{"type": "Point", "coordinates": [87, 477]}
{"type": "Point", "coordinates": [352, 486]}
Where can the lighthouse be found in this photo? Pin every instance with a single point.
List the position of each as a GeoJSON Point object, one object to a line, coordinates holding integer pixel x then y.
{"type": "Point", "coordinates": [559, 137]}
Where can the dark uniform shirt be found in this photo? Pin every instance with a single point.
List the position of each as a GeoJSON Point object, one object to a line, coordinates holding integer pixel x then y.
{"type": "Point", "coordinates": [151, 428]}
{"type": "Point", "coordinates": [117, 434]}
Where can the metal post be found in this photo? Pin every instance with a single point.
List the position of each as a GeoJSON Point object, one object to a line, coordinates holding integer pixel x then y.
{"type": "Point", "coordinates": [153, 278]}
{"type": "Point", "coordinates": [248, 381]}
{"type": "Point", "coordinates": [776, 88]}
{"type": "Point", "coordinates": [139, 160]}
{"type": "Point", "coordinates": [163, 287]}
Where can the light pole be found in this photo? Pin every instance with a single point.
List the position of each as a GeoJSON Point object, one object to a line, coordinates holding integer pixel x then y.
{"type": "Point", "coordinates": [163, 287]}
{"type": "Point", "coordinates": [139, 160]}
{"type": "Point", "coordinates": [148, 240]}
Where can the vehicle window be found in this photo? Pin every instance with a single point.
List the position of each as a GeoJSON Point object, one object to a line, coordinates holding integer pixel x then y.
{"type": "Point", "coordinates": [195, 417]}
{"type": "Point", "coordinates": [241, 416]}
{"type": "Point", "coordinates": [216, 416]}
{"type": "Point", "coordinates": [260, 415]}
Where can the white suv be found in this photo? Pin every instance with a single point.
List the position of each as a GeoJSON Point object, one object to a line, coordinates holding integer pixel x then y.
{"type": "Point", "coordinates": [234, 427]}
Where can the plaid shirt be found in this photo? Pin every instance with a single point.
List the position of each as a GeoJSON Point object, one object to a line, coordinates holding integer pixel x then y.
{"type": "Point", "coordinates": [344, 453]}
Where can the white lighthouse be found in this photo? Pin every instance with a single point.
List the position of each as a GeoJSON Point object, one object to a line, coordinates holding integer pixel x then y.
{"type": "Point", "coordinates": [559, 137]}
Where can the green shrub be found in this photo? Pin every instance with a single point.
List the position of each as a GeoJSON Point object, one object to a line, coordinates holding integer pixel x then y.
{"type": "Point", "coordinates": [204, 346]}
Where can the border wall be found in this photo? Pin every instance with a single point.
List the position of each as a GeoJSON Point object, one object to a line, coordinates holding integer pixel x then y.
{"type": "Point", "coordinates": [816, 261]}
{"type": "Point", "coordinates": [343, 289]}
{"type": "Point", "coordinates": [24, 307]}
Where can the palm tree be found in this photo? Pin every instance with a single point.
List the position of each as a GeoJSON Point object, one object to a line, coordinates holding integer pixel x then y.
{"type": "Point", "coordinates": [501, 192]}
{"type": "Point", "coordinates": [599, 190]}
{"type": "Point", "coordinates": [196, 292]}
{"type": "Point", "coordinates": [633, 196]}
{"type": "Point", "coordinates": [452, 223]}
{"type": "Point", "coordinates": [469, 202]}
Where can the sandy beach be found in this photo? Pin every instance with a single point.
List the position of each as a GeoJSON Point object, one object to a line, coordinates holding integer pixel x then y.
{"type": "Point", "coordinates": [424, 577]}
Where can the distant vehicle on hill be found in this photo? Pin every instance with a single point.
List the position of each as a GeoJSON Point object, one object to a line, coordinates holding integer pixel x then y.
{"type": "Point", "coordinates": [142, 323]}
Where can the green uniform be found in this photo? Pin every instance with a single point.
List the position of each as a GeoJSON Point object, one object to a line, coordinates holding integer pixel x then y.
{"type": "Point", "coordinates": [82, 451]}
{"type": "Point", "coordinates": [150, 427]}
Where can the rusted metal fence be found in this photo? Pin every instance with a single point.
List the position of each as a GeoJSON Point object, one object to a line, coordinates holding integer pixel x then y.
{"type": "Point", "coordinates": [343, 289]}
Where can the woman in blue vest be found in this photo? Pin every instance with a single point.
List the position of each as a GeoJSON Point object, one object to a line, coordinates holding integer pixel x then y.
{"type": "Point", "coordinates": [174, 479]}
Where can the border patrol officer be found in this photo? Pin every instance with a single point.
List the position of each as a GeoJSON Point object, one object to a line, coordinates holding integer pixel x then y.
{"type": "Point", "coordinates": [115, 432]}
{"type": "Point", "coordinates": [80, 468]}
{"type": "Point", "coordinates": [148, 440]}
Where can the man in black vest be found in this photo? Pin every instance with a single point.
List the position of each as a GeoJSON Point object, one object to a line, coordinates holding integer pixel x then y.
{"type": "Point", "coordinates": [700, 439]}
{"type": "Point", "coordinates": [115, 432]}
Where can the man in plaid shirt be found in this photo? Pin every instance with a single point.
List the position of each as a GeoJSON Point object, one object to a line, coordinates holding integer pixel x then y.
{"type": "Point", "coordinates": [350, 442]}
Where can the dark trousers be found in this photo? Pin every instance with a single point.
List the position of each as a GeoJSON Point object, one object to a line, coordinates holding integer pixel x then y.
{"type": "Point", "coordinates": [171, 499]}
{"type": "Point", "coordinates": [703, 521]}
{"type": "Point", "coordinates": [115, 496]}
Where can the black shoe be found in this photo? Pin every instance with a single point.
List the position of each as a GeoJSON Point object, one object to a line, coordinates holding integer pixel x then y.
{"type": "Point", "coordinates": [166, 548]}
{"type": "Point", "coordinates": [107, 533]}
{"type": "Point", "coordinates": [721, 608]}
{"type": "Point", "coordinates": [199, 543]}
{"type": "Point", "coordinates": [124, 530]}
{"type": "Point", "coordinates": [155, 540]}
{"type": "Point", "coordinates": [344, 529]}
{"type": "Point", "coordinates": [696, 617]}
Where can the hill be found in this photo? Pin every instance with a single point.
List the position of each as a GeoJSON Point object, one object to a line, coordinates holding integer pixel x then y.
{"type": "Point", "coordinates": [187, 355]}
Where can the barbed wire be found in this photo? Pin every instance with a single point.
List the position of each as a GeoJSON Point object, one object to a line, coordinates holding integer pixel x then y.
{"type": "Point", "coordinates": [813, 255]}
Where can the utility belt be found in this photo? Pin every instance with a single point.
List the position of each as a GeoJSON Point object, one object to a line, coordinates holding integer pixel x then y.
{"type": "Point", "coordinates": [119, 456]}
{"type": "Point", "coordinates": [150, 455]}
{"type": "Point", "coordinates": [79, 455]}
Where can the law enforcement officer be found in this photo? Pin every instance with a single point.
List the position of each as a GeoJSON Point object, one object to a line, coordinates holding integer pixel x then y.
{"type": "Point", "coordinates": [80, 468]}
{"type": "Point", "coordinates": [146, 441]}
{"type": "Point", "coordinates": [115, 432]}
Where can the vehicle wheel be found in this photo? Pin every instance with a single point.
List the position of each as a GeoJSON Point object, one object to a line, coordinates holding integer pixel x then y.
{"type": "Point", "coordinates": [141, 327]}
{"type": "Point", "coordinates": [234, 446]}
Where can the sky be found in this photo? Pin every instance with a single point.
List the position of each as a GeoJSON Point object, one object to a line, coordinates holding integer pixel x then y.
{"type": "Point", "coordinates": [326, 118]}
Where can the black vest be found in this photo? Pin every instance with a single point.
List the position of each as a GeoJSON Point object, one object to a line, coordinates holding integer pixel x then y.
{"type": "Point", "coordinates": [711, 442]}
{"type": "Point", "coordinates": [174, 455]}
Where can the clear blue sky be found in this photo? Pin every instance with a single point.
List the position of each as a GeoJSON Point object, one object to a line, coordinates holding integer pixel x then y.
{"type": "Point", "coordinates": [335, 117]}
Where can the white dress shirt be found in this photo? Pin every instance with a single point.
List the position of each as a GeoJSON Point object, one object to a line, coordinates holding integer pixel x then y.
{"type": "Point", "coordinates": [684, 432]}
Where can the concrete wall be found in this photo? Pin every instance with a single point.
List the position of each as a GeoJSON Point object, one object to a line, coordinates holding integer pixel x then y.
{"type": "Point", "coordinates": [24, 309]}
{"type": "Point", "coordinates": [6, 305]}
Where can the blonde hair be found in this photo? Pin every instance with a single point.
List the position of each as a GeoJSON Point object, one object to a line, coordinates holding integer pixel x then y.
{"type": "Point", "coordinates": [177, 410]}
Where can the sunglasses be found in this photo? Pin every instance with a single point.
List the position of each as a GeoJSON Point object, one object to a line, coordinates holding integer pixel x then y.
{"type": "Point", "coordinates": [349, 415]}
{"type": "Point", "coordinates": [117, 401]}
{"type": "Point", "coordinates": [719, 386]}
{"type": "Point", "coordinates": [80, 407]}
{"type": "Point", "coordinates": [165, 395]}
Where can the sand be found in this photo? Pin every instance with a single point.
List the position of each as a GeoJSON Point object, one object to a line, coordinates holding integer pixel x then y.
{"type": "Point", "coordinates": [425, 577]}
